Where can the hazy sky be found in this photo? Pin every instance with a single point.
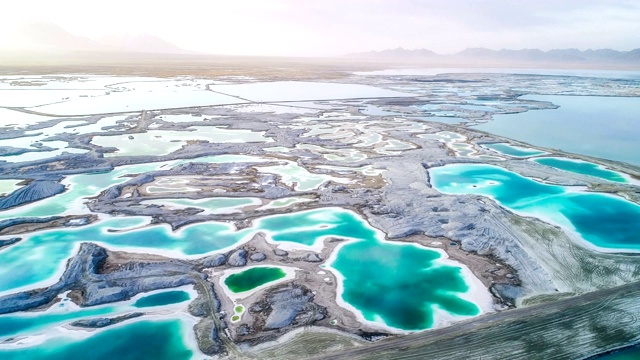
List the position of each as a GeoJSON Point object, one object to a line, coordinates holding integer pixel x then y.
{"type": "Point", "coordinates": [335, 27]}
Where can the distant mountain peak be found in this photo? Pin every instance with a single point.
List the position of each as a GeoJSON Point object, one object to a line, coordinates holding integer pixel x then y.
{"type": "Point", "coordinates": [51, 36]}
{"type": "Point", "coordinates": [398, 53]}
{"type": "Point", "coordinates": [46, 36]}
{"type": "Point", "coordinates": [520, 56]}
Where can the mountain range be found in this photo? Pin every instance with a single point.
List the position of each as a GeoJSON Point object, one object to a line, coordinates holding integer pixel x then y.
{"type": "Point", "coordinates": [48, 37]}
{"type": "Point", "coordinates": [483, 55]}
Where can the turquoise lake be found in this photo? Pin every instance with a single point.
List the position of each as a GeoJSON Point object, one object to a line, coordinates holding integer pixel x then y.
{"type": "Point", "coordinates": [161, 339]}
{"type": "Point", "coordinates": [404, 280]}
{"type": "Point", "coordinates": [82, 186]}
{"type": "Point", "coordinates": [401, 284]}
{"type": "Point", "coordinates": [24, 323]}
{"type": "Point", "coordinates": [600, 126]}
{"type": "Point", "coordinates": [582, 167]}
{"type": "Point", "coordinates": [605, 221]}
{"type": "Point", "coordinates": [381, 277]}
{"type": "Point", "coordinates": [171, 330]}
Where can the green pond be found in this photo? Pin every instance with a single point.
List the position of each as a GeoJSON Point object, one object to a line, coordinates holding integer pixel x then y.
{"type": "Point", "coordinates": [252, 278]}
{"type": "Point", "coordinates": [582, 167]}
{"type": "Point", "coordinates": [514, 151]}
{"type": "Point", "coordinates": [605, 221]}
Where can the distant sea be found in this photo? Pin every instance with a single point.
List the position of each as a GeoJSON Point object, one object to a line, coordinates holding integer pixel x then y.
{"type": "Point", "coordinates": [600, 126]}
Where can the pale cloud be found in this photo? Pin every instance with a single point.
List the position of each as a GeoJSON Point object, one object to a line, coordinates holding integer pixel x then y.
{"type": "Point", "coordinates": [332, 27]}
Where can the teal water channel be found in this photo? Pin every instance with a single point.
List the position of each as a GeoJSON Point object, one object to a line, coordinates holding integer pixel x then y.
{"type": "Point", "coordinates": [81, 186]}
{"type": "Point", "coordinates": [403, 286]}
{"type": "Point", "coordinates": [161, 337]}
{"type": "Point", "coordinates": [604, 221]}
{"type": "Point", "coordinates": [582, 167]}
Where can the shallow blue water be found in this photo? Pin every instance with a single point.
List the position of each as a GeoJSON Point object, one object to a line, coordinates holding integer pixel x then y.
{"type": "Point", "coordinates": [600, 126]}
{"type": "Point", "coordinates": [33, 324]}
{"type": "Point", "coordinates": [308, 227]}
{"type": "Point", "coordinates": [477, 107]}
{"type": "Point", "coordinates": [139, 340]}
{"type": "Point", "coordinates": [606, 221]}
{"type": "Point", "coordinates": [36, 258]}
{"type": "Point", "coordinates": [582, 167]}
{"type": "Point", "coordinates": [39, 256]}
{"type": "Point", "coordinates": [15, 324]}
{"type": "Point", "coordinates": [82, 186]}
{"type": "Point", "coordinates": [441, 119]}
{"type": "Point", "coordinates": [513, 151]}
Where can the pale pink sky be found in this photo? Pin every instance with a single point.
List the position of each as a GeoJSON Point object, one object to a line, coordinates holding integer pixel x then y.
{"type": "Point", "coordinates": [336, 27]}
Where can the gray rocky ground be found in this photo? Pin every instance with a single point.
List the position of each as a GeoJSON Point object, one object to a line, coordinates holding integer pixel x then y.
{"type": "Point", "coordinates": [523, 261]}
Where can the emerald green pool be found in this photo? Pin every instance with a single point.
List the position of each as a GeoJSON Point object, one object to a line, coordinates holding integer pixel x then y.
{"type": "Point", "coordinates": [252, 278]}
{"type": "Point", "coordinates": [582, 167]}
{"type": "Point", "coordinates": [604, 221]}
